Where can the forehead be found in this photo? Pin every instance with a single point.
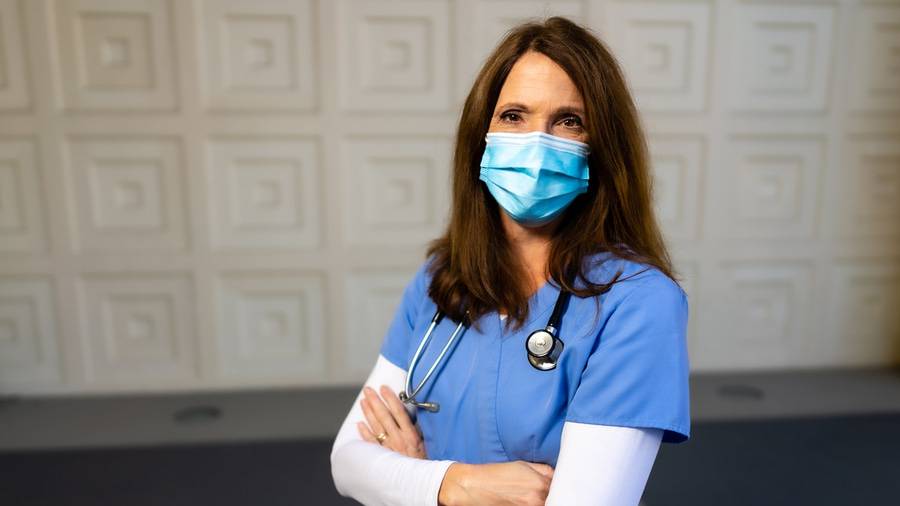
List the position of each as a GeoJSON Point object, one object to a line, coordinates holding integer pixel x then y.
{"type": "Point", "coordinates": [535, 78]}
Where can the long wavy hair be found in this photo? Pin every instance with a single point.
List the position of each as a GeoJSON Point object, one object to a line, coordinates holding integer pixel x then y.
{"type": "Point", "coordinates": [473, 266]}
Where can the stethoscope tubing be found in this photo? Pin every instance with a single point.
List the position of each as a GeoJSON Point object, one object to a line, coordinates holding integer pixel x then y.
{"type": "Point", "coordinates": [545, 363]}
{"type": "Point", "coordinates": [417, 355]}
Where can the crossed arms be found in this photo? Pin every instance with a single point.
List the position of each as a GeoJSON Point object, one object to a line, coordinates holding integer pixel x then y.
{"type": "Point", "coordinates": [598, 465]}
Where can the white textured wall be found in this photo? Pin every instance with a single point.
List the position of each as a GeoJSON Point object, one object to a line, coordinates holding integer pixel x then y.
{"type": "Point", "coordinates": [216, 194]}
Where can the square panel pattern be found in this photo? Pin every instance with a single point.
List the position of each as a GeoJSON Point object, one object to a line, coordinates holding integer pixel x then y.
{"type": "Point", "coordinates": [127, 193]}
{"type": "Point", "coordinates": [876, 59]}
{"type": "Point", "coordinates": [13, 81]}
{"type": "Point", "coordinates": [400, 189]}
{"type": "Point", "coordinates": [392, 55]}
{"type": "Point", "coordinates": [760, 311]}
{"type": "Point", "coordinates": [677, 173]}
{"type": "Point", "coordinates": [664, 49]}
{"type": "Point", "coordinates": [271, 325]}
{"type": "Point", "coordinates": [138, 328]}
{"type": "Point", "coordinates": [264, 192]}
{"type": "Point", "coordinates": [29, 343]}
{"type": "Point", "coordinates": [769, 187]}
{"type": "Point", "coordinates": [115, 54]}
{"type": "Point", "coordinates": [259, 55]}
{"type": "Point", "coordinates": [782, 57]}
{"type": "Point", "coordinates": [863, 315]}
{"type": "Point", "coordinates": [869, 193]}
{"type": "Point", "coordinates": [226, 194]}
{"type": "Point", "coordinates": [21, 208]}
{"type": "Point", "coordinates": [373, 297]}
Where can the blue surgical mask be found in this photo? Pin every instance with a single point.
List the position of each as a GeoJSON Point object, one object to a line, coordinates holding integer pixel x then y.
{"type": "Point", "coordinates": [534, 176]}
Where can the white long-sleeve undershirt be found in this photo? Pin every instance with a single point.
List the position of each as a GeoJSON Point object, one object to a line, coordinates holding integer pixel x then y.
{"type": "Point", "coordinates": [598, 465]}
{"type": "Point", "coordinates": [375, 475]}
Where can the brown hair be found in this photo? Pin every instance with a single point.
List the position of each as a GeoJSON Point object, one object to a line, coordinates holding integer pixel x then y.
{"type": "Point", "coordinates": [473, 266]}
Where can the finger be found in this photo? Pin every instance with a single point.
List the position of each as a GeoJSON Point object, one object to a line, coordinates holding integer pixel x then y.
{"type": "Point", "coordinates": [383, 422]}
{"type": "Point", "coordinates": [401, 416]}
{"type": "Point", "coordinates": [365, 432]}
{"type": "Point", "coordinates": [394, 442]}
{"type": "Point", "coordinates": [410, 435]}
{"type": "Point", "coordinates": [381, 412]}
{"type": "Point", "coordinates": [371, 419]}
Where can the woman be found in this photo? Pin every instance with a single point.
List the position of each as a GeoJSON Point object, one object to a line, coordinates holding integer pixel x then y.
{"type": "Point", "coordinates": [551, 208]}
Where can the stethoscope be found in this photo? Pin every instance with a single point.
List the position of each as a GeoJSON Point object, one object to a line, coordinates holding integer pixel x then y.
{"type": "Point", "coordinates": [543, 347]}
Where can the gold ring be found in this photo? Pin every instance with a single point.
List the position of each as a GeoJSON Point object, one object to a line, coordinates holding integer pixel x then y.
{"type": "Point", "coordinates": [381, 437]}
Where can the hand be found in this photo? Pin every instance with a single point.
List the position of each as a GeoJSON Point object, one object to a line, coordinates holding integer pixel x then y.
{"type": "Point", "coordinates": [392, 419]}
{"type": "Point", "coordinates": [518, 482]}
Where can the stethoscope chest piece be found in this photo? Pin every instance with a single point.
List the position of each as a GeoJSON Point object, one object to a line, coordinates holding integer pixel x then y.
{"type": "Point", "coordinates": [544, 346]}
{"type": "Point", "coordinates": [543, 349]}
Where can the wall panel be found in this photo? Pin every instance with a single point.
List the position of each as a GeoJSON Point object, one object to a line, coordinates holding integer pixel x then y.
{"type": "Point", "coordinates": [214, 194]}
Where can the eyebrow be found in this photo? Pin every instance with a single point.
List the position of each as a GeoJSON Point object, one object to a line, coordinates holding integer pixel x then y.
{"type": "Point", "coordinates": [562, 110]}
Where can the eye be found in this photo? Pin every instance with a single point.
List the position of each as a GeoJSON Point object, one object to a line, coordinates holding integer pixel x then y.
{"type": "Point", "coordinates": [510, 117]}
{"type": "Point", "coordinates": [573, 122]}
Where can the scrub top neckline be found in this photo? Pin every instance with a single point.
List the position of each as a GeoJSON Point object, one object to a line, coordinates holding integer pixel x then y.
{"type": "Point", "coordinates": [539, 304]}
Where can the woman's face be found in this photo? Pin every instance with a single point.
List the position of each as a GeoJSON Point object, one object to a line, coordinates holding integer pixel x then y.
{"type": "Point", "coordinates": [539, 95]}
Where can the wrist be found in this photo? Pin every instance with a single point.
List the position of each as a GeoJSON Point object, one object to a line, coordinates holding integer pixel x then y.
{"type": "Point", "coordinates": [454, 484]}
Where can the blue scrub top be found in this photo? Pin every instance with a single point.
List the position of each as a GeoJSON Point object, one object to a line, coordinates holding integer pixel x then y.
{"type": "Point", "coordinates": [626, 366]}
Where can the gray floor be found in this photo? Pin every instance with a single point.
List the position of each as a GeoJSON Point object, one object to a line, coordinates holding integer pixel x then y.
{"type": "Point", "coordinates": [844, 460]}
{"type": "Point", "coordinates": [109, 421]}
{"type": "Point", "coordinates": [815, 437]}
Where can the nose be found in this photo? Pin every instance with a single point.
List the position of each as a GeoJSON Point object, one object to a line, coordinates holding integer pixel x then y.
{"type": "Point", "coordinates": [539, 123]}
